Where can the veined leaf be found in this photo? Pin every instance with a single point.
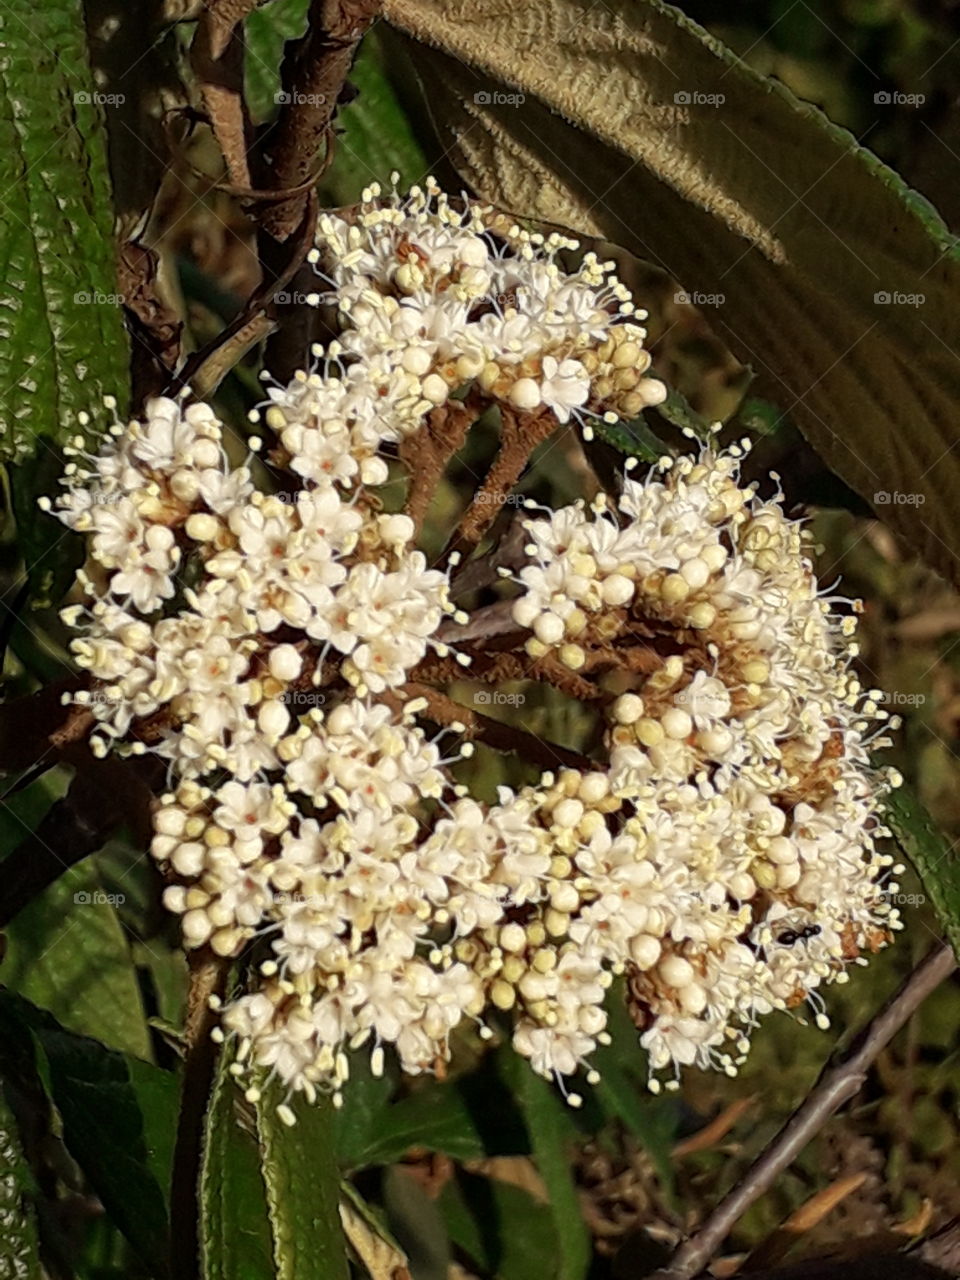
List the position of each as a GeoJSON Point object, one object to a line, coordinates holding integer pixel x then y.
{"type": "Point", "coordinates": [934, 858]}
{"type": "Point", "coordinates": [235, 1238]}
{"type": "Point", "coordinates": [18, 1238]}
{"type": "Point", "coordinates": [551, 1132]}
{"type": "Point", "coordinates": [62, 341]}
{"type": "Point", "coordinates": [299, 1165]}
{"type": "Point", "coordinates": [68, 953]}
{"type": "Point", "coordinates": [839, 284]}
{"type": "Point", "coordinates": [119, 1120]}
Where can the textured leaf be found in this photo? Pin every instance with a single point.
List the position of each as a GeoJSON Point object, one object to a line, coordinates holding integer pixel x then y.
{"type": "Point", "coordinates": [589, 116]}
{"type": "Point", "coordinates": [303, 1189]}
{"type": "Point", "coordinates": [62, 342]}
{"type": "Point", "coordinates": [551, 1132]}
{"type": "Point", "coordinates": [501, 1227]}
{"type": "Point", "coordinates": [68, 953]}
{"type": "Point", "coordinates": [18, 1232]}
{"type": "Point", "coordinates": [235, 1230]}
{"type": "Point", "coordinates": [119, 1121]}
{"type": "Point", "coordinates": [934, 858]}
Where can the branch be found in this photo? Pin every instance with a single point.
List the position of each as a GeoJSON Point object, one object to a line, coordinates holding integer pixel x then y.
{"type": "Point", "coordinates": [313, 76]}
{"type": "Point", "coordinates": [839, 1081]}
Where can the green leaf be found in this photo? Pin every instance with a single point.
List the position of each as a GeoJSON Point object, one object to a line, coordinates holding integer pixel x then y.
{"type": "Point", "coordinates": [21, 811]}
{"type": "Point", "coordinates": [235, 1237]}
{"type": "Point", "coordinates": [628, 122]}
{"type": "Point", "coordinates": [374, 137]}
{"type": "Point", "coordinates": [435, 1117]}
{"type": "Point", "coordinates": [501, 1227]}
{"type": "Point", "coordinates": [934, 858]}
{"type": "Point", "coordinates": [68, 953]}
{"type": "Point", "coordinates": [622, 1092]}
{"type": "Point", "coordinates": [551, 1135]}
{"type": "Point", "coordinates": [119, 1121]}
{"type": "Point", "coordinates": [18, 1238]}
{"type": "Point", "coordinates": [303, 1188]}
{"type": "Point", "coordinates": [62, 340]}
{"type": "Point", "coordinates": [266, 30]}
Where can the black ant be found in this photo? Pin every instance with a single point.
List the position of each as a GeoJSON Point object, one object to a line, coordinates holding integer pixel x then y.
{"type": "Point", "coordinates": [791, 936]}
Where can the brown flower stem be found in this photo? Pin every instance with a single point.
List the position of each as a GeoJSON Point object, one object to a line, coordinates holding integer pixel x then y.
{"type": "Point", "coordinates": [839, 1081]}
{"type": "Point", "coordinates": [520, 433]}
{"type": "Point", "coordinates": [496, 734]}
{"type": "Point", "coordinates": [428, 451]}
{"type": "Point", "coordinates": [208, 977]}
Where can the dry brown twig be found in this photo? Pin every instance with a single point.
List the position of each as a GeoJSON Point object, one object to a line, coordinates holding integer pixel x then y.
{"type": "Point", "coordinates": [839, 1081]}
{"type": "Point", "coordinates": [312, 77]}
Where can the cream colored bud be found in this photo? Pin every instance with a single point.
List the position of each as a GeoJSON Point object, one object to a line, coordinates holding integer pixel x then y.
{"type": "Point", "coordinates": [676, 972]}
{"type": "Point", "coordinates": [616, 590]}
{"type": "Point", "coordinates": [702, 616]}
{"type": "Point", "coordinates": [435, 389]}
{"type": "Point", "coordinates": [556, 922]}
{"type": "Point", "coordinates": [512, 937]}
{"type": "Point", "coordinates": [564, 897]}
{"type": "Point", "coordinates": [756, 671]}
{"type": "Point", "coordinates": [677, 723]}
{"type": "Point", "coordinates": [649, 732]}
{"type": "Point", "coordinates": [644, 951]}
{"type": "Point", "coordinates": [548, 629]}
{"type": "Point", "coordinates": [285, 662]}
{"type": "Point", "coordinates": [489, 374]}
{"type": "Point", "coordinates": [593, 787]}
{"type": "Point", "coordinates": [503, 995]}
{"type": "Point", "coordinates": [628, 708]}
{"type": "Point", "coordinates": [417, 360]}
{"type": "Point", "coordinates": [525, 394]}
{"type": "Point", "coordinates": [675, 589]}
{"type": "Point", "coordinates": [273, 719]}
{"type": "Point", "coordinates": [572, 656]}
{"type": "Point", "coordinates": [202, 527]}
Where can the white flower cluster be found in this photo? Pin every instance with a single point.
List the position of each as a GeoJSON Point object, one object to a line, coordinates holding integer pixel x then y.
{"type": "Point", "coordinates": [721, 857]}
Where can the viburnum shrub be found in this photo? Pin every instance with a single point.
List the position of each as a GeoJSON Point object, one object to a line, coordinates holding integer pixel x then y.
{"type": "Point", "coordinates": [290, 654]}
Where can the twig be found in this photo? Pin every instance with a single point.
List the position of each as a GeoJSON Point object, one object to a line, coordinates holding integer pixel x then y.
{"type": "Point", "coordinates": [208, 977]}
{"type": "Point", "coordinates": [217, 59]}
{"type": "Point", "coordinates": [313, 75]}
{"type": "Point", "coordinates": [840, 1080]}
